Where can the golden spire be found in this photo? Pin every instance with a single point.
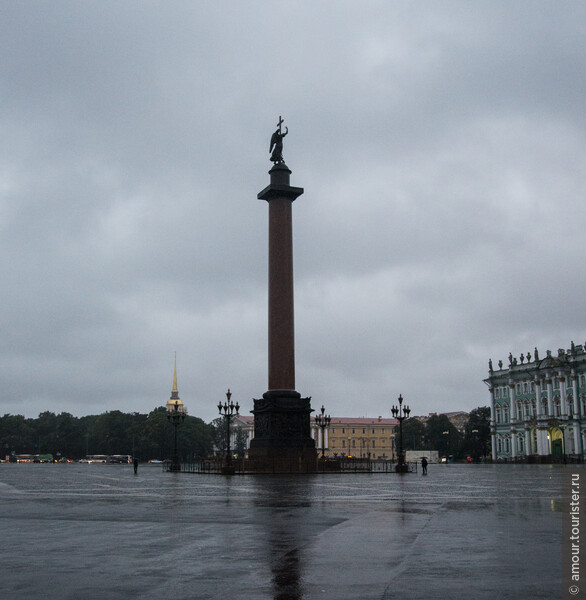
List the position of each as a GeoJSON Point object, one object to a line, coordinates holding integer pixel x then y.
{"type": "Point", "coordinates": [175, 391]}
{"type": "Point", "coordinates": [174, 404]}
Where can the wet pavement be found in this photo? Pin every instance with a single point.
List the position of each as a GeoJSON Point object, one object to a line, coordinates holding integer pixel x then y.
{"type": "Point", "coordinates": [73, 532]}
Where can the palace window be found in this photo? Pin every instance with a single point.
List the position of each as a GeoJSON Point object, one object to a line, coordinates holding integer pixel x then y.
{"type": "Point", "coordinates": [497, 412]}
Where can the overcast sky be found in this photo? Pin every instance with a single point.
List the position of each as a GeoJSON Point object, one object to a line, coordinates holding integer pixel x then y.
{"type": "Point", "coordinates": [442, 150]}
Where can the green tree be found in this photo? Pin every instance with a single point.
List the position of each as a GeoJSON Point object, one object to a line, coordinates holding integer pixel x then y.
{"type": "Point", "coordinates": [156, 436]}
{"type": "Point", "coordinates": [17, 435]}
{"type": "Point", "coordinates": [87, 426]}
{"type": "Point", "coordinates": [413, 434]}
{"type": "Point", "coordinates": [69, 440]}
{"type": "Point", "coordinates": [113, 432]}
{"type": "Point", "coordinates": [218, 426]}
{"type": "Point", "coordinates": [442, 436]}
{"type": "Point", "coordinates": [477, 433]}
{"type": "Point", "coordinates": [46, 432]}
{"type": "Point", "coordinates": [194, 439]}
{"type": "Point", "coordinates": [240, 440]}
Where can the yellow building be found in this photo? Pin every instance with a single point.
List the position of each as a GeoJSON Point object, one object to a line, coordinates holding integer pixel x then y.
{"type": "Point", "coordinates": [372, 438]}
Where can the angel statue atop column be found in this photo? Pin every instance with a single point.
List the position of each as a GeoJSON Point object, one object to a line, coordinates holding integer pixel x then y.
{"type": "Point", "coordinates": [277, 143]}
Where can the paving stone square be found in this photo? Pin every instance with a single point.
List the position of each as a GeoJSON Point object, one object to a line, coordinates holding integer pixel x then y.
{"type": "Point", "coordinates": [74, 532]}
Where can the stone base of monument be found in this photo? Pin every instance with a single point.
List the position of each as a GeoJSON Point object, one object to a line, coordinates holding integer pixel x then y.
{"type": "Point", "coordinates": [282, 442]}
{"type": "Point", "coordinates": [281, 461]}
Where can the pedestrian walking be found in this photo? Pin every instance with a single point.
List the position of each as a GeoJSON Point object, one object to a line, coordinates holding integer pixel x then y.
{"type": "Point", "coordinates": [424, 465]}
{"type": "Point", "coordinates": [135, 463]}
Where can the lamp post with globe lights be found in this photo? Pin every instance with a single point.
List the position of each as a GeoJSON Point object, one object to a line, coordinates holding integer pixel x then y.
{"type": "Point", "coordinates": [176, 413]}
{"type": "Point", "coordinates": [176, 416]}
{"type": "Point", "coordinates": [323, 422]}
{"type": "Point", "coordinates": [401, 413]}
{"type": "Point", "coordinates": [228, 410]}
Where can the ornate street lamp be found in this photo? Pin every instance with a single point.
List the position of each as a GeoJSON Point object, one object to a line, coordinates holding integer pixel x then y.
{"type": "Point", "coordinates": [323, 422]}
{"type": "Point", "coordinates": [176, 412]}
{"type": "Point", "coordinates": [401, 414]}
{"type": "Point", "coordinates": [228, 410]}
{"type": "Point", "coordinates": [176, 416]}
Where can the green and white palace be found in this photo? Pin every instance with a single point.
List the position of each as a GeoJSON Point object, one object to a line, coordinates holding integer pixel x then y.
{"type": "Point", "coordinates": [538, 406]}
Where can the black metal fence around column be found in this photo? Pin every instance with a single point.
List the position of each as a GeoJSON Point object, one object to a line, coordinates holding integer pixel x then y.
{"type": "Point", "coordinates": [243, 466]}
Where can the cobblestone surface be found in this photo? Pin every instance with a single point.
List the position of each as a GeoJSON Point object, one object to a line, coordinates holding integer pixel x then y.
{"type": "Point", "coordinates": [99, 531]}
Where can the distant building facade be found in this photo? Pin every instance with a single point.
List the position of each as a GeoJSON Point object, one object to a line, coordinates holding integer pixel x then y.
{"type": "Point", "coordinates": [538, 406]}
{"type": "Point", "coordinates": [364, 438]}
{"type": "Point", "coordinates": [459, 419]}
{"type": "Point", "coordinates": [245, 424]}
{"type": "Point", "coordinates": [372, 438]}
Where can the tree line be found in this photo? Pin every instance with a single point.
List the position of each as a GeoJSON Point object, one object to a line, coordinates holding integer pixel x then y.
{"type": "Point", "coordinates": [145, 436]}
{"type": "Point", "coordinates": [438, 433]}
{"type": "Point", "coordinates": [150, 436]}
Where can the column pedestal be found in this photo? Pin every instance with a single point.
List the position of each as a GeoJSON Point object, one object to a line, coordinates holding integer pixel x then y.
{"type": "Point", "coordinates": [282, 438]}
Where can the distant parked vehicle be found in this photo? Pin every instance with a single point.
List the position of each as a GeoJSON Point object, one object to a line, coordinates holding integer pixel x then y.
{"type": "Point", "coordinates": [120, 459]}
{"type": "Point", "coordinates": [95, 458]}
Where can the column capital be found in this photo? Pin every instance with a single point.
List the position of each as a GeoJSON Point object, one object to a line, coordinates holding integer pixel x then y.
{"type": "Point", "coordinates": [279, 186]}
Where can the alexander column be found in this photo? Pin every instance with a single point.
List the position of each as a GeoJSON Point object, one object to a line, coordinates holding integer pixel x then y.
{"type": "Point", "coordinates": [282, 437]}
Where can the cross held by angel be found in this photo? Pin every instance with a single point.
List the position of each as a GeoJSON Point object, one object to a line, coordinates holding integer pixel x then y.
{"type": "Point", "coordinates": [276, 147]}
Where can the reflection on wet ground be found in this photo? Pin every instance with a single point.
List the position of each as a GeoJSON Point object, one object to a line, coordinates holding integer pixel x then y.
{"type": "Point", "coordinates": [99, 531]}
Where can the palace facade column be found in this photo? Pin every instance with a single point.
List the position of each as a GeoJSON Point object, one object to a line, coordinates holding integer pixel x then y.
{"type": "Point", "coordinates": [575, 408]}
{"type": "Point", "coordinates": [563, 399]}
{"type": "Point", "coordinates": [538, 399]}
{"type": "Point", "coordinates": [542, 443]}
{"type": "Point", "coordinates": [528, 441]}
{"type": "Point", "coordinates": [576, 416]}
{"type": "Point", "coordinates": [492, 424]}
{"type": "Point", "coordinates": [512, 409]}
{"type": "Point", "coordinates": [549, 384]}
